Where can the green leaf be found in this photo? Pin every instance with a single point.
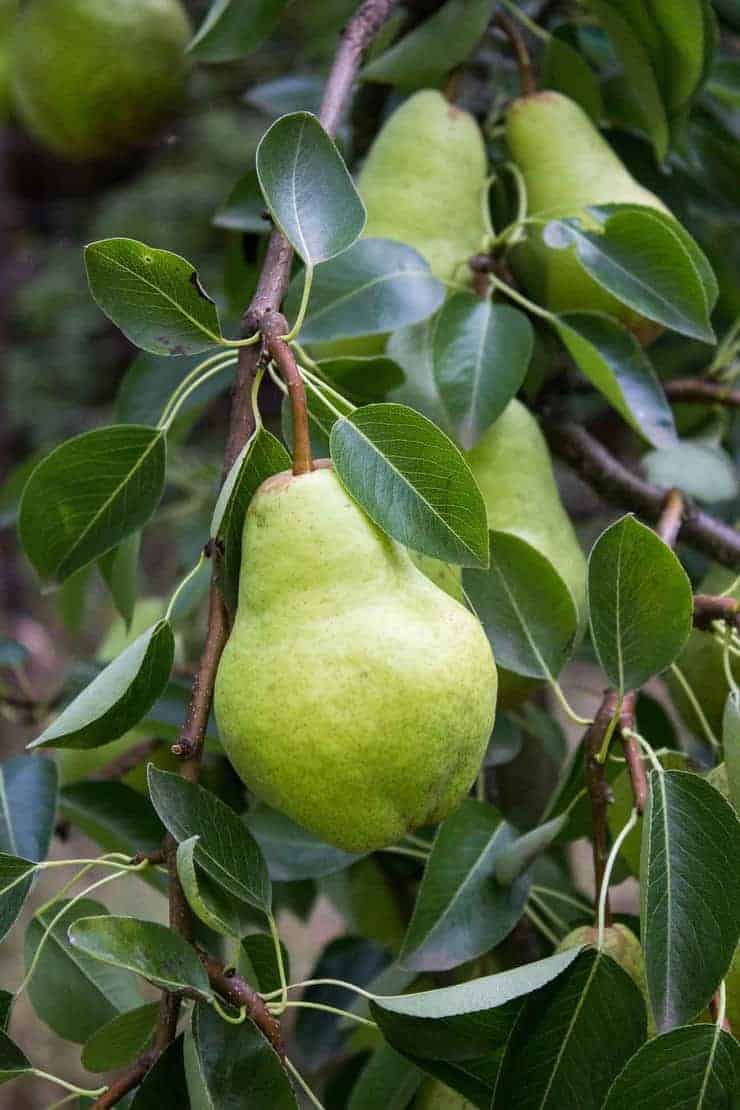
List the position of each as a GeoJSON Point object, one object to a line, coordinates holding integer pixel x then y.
{"type": "Point", "coordinates": [699, 1065]}
{"type": "Point", "coordinates": [424, 57]}
{"type": "Point", "coordinates": [164, 1084]}
{"type": "Point", "coordinates": [622, 804]}
{"type": "Point", "coordinates": [388, 1080]}
{"type": "Point", "coordinates": [243, 210]}
{"type": "Point", "coordinates": [525, 607]}
{"type": "Point", "coordinates": [644, 263]}
{"type": "Point", "coordinates": [364, 378]}
{"type": "Point", "coordinates": [232, 29]}
{"type": "Point", "coordinates": [227, 1064]}
{"type": "Point", "coordinates": [226, 851]}
{"type": "Point", "coordinates": [15, 882]}
{"type": "Point", "coordinates": [378, 285]}
{"type": "Point", "coordinates": [690, 894]}
{"type": "Point", "coordinates": [702, 470]}
{"type": "Point", "coordinates": [572, 1039]}
{"type": "Point", "coordinates": [308, 188]}
{"type": "Point", "coordinates": [293, 853]}
{"type": "Point", "coordinates": [640, 603]}
{"type": "Point", "coordinates": [461, 910]}
{"type": "Point", "coordinates": [567, 71]}
{"type": "Point", "coordinates": [116, 817]}
{"type": "Point", "coordinates": [121, 1039]}
{"type": "Point", "coordinates": [480, 353]}
{"type": "Point", "coordinates": [149, 382]}
{"type": "Point", "coordinates": [119, 567]}
{"type": "Point", "coordinates": [28, 796]}
{"type": "Point", "coordinates": [615, 363]}
{"type": "Point", "coordinates": [153, 296]}
{"type": "Point", "coordinates": [261, 457]}
{"type": "Point", "coordinates": [258, 962]}
{"type": "Point", "coordinates": [412, 482]}
{"type": "Point", "coordinates": [731, 745]}
{"type": "Point", "coordinates": [412, 350]}
{"type": "Point", "coordinates": [158, 953]}
{"type": "Point", "coordinates": [215, 908]}
{"type": "Point", "coordinates": [13, 1062]}
{"type": "Point", "coordinates": [458, 1033]}
{"type": "Point", "coordinates": [73, 994]}
{"type": "Point", "coordinates": [119, 697]}
{"type": "Point", "coordinates": [514, 860]}
{"type": "Point", "coordinates": [88, 495]}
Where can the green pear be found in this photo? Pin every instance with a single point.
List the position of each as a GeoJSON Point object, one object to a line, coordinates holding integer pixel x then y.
{"type": "Point", "coordinates": [93, 76]}
{"type": "Point", "coordinates": [568, 166]}
{"type": "Point", "coordinates": [424, 182]}
{"type": "Point", "coordinates": [435, 1095]}
{"type": "Point", "coordinates": [352, 694]}
{"type": "Point", "coordinates": [701, 665]}
{"type": "Point", "coordinates": [511, 463]}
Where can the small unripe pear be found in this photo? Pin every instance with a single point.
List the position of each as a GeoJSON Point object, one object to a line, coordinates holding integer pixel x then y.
{"type": "Point", "coordinates": [568, 166]}
{"type": "Point", "coordinates": [93, 76]}
{"type": "Point", "coordinates": [352, 694]}
{"type": "Point", "coordinates": [424, 182]}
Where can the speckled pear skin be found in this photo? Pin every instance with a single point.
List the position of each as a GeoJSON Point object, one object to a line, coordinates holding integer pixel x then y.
{"type": "Point", "coordinates": [91, 77]}
{"type": "Point", "coordinates": [423, 181]}
{"type": "Point", "coordinates": [353, 694]}
{"type": "Point", "coordinates": [568, 166]}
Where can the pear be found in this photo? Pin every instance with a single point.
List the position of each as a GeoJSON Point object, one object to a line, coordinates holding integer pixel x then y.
{"type": "Point", "coordinates": [568, 166]}
{"type": "Point", "coordinates": [511, 463]}
{"type": "Point", "coordinates": [424, 182]}
{"type": "Point", "coordinates": [624, 948]}
{"type": "Point", "coordinates": [92, 76]}
{"type": "Point", "coordinates": [435, 1095]}
{"type": "Point", "coordinates": [353, 694]}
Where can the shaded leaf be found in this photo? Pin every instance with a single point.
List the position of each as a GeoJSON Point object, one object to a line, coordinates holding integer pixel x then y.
{"type": "Point", "coordinates": [702, 470]}
{"type": "Point", "coordinates": [114, 815]}
{"type": "Point", "coordinates": [293, 853]}
{"type": "Point", "coordinates": [243, 209]}
{"type": "Point", "coordinates": [150, 381]}
{"type": "Point", "coordinates": [232, 29]}
{"type": "Point", "coordinates": [121, 1040]}
{"type": "Point", "coordinates": [208, 901]}
{"type": "Point", "coordinates": [164, 1084]}
{"type": "Point", "coordinates": [15, 882]}
{"type": "Point", "coordinates": [119, 567]}
{"type": "Point", "coordinates": [28, 796]}
{"type": "Point", "coordinates": [13, 1062]}
{"type": "Point", "coordinates": [388, 1080]}
{"type": "Point", "coordinates": [567, 71]}
{"type": "Point", "coordinates": [258, 962]}
{"type": "Point", "coordinates": [412, 481]}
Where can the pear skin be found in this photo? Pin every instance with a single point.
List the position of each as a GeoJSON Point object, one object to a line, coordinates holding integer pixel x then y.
{"type": "Point", "coordinates": [424, 182]}
{"type": "Point", "coordinates": [353, 694]}
{"type": "Point", "coordinates": [568, 166]}
{"type": "Point", "coordinates": [93, 76]}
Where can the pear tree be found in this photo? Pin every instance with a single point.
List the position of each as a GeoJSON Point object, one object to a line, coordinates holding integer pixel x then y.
{"type": "Point", "coordinates": [464, 596]}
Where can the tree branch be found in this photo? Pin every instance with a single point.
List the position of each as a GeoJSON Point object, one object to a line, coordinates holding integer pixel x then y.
{"type": "Point", "coordinates": [671, 517]}
{"type": "Point", "coordinates": [238, 993]}
{"type": "Point", "coordinates": [599, 791]}
{"type": "Point", "coordinates": [708, 609]}
{"type": "Point", "coordinates": [702, 392]}
{"type": "Point", "coordinates": [619, 486]}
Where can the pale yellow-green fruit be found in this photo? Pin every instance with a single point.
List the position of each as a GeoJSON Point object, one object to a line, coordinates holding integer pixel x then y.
{"type": "Point", "coordinates": [511, 463]}
{"type": "Point", "coordinates": [91, 77]}
{"type": "Point", "coordinates": [352, 694]}
{"type": "Point", "coordinates": [700, 662]}
{"type": "Point", "coordinates": [568, 166]}
{"type": "Point", "coordinates": [435, 1095]}
{"type": "Point", "coordinates": [424, 182]}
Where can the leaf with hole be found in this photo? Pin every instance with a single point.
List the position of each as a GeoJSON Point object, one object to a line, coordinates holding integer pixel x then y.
{"type": "Point", "coordinates": [153, 296]}
{"type": "Point", "coordinates": [89, 494]}
{"type": "Point", "coordinates": [412, 482]}
{"type": "Point", "coordinates": [308, 188]}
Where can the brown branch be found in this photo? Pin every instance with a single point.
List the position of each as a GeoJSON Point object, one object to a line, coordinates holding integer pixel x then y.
{"type": "Point", "coordinates": [702, 392]}
{"type": "Point", "coordinates": [599, 791]}
{"type": "Point", "coordinates": [619, 486]}
{"type": "Point", "coordinates": [190, 742]}
{"type": "Point", "coordinates": [274, 326]}
{"type": "Point", "coordinates": [119, 767]}
{"type": "Point", "coordinates": [527, 75]}
{"type": "Point", "coordinates": [125, 1082]}
{"type": "Point", "coordinates": [238, 993]}
{"type": "Point", "coordinates": [671, 518]}
{"type": "Point", "coordinates": [708, 609]}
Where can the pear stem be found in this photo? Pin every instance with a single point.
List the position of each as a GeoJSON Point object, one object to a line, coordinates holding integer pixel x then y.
{"type": "Point", "coordinates": [527, 77]}
{"type": "Point", "coordinates": [274, 327]}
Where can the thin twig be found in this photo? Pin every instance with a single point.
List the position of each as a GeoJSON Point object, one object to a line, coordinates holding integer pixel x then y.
{"type": "Point", "coordinates": [190, 742]}
{"type": "Point", "coordinates": [599, 791]}
{"type": "Point", "coordinates": [121, 766]}
{"type": "Point", "coordinates": [274, 326]}
{"type": "Point", "coordinates": [699, 391]}
{"type": "Point", "coordinates": [527, 75]}
{"type": "Point", "coordinates": [632, 754]}
{"type": "Point", "coordinates": [619, 486]}
{"type": "Point", "coordinates": [708, 609]}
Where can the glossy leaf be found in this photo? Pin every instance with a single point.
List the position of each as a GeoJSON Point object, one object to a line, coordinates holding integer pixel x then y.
{"type": "Point", "coordinates": [480, 352]}
{"type": "Point", "coordinates": [119, 697]}
{"type": "Point", "coordinates": [699, 1065]}
{"type": "Point", "coordinates": [258, 962]}
{"type": "Point", "coordinates": [378, 285]}
{"type": "Point", "coordinates": [572, 1039]}
{"type": "Point", "coordinates": [426, 55]}
{"type": "Point", "coordinates": [640, 603]}
{"type": "Point", "coordinates": [293, 853]}
{"type": "Point", "coordinates": [28, 796]}
{"type": "Point", "coordinates": [15, 882]}
{"type": "Point", "coordinates": [262, 456]}
{"type": "Point", "coordinates": [13, 1062]}
{"type": "Point", "coordinates": [461, 910]}
{"type": "Point", "coordinates": [158, 953]}
{"type": "Point", "coordinates": [613, 361]}
{"type": "Point", "coordinates": [690, 894]}
{"type": "Point", "coordinates": [88, 495]}
{"type": "Point", "coordinates": [731, 746]}
{"type": "Point", "coordinates": [641, 261]}
{"type": "Point", "coordinates": [164, 1084]}
{"type": "Point", "coordinates": [208, 901]}
{"type": "Point", "coordinates": [119, 567]}
{"type": "Point", "coordinates": [153, 296]}
{"type": "Point", "coordinates": [232, 29]}
{"type": "Point", "coordinates": [308, 188]}
{"type": "Point", "coordinates": [412, 482]}
{"type": "Point", "coordinates": [514, 860]}
{"type": "Point", "coordinates": [412, 349]}
{"type": "Point", "coordinates": [73, 994]}
{"type": "Point", "coordinates": [702, 470]}
{"type": "Point", "coordinates": [525, 607]}
{"type": "Point", "coordinates": [114, 815]}
{"type": "Point", "coordinates": [226, 851]}
{"type": "Point", "coordinates": [227, 1064]}
{"type": "Point", "coordinates": [121, 1040]}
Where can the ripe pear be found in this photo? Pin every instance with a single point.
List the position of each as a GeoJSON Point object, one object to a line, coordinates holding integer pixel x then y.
{"type": "Point", "coordinates": [93, 76]}
{"type": "Point", "coordinates": [568, 166]}
{"type": "Point", "coordinates": [511, 463]}
{"type": "Point", "coordinates": [435, 1095]}
{"type": "Point", "coordinates": [353, 694]}
{"type": "Point", "coordinates": [424, 182]}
